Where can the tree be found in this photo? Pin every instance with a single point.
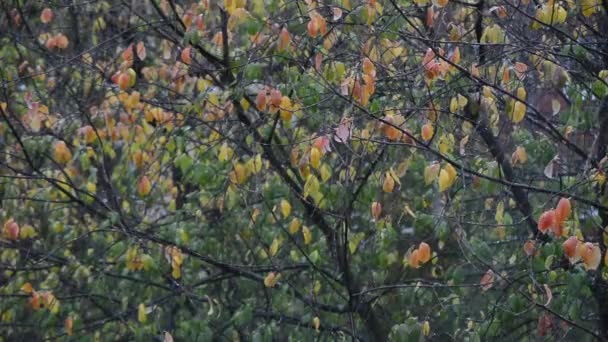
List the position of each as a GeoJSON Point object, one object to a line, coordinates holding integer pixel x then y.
{"type": "Point", "coordinates": [274, 170]}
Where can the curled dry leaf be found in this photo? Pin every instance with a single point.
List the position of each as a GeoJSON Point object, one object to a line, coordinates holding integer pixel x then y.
{"type": "Point", "coordinates": [549, 294]}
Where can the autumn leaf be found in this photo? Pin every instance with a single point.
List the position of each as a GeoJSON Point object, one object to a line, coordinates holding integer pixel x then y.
{"type": "Point", "coordinates": [487, 281]}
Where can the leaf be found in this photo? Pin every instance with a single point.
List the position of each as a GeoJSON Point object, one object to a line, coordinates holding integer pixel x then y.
{"type": "Point", "coordinates": [571, 249]}
{"type": "Point", "coordinates": [27, 288]}
{"type": "Point", "coordinates": [294, 226]}
{"type": "Point", "coordinates": [591, 255]}
{"type": "Point", "coordinates": [315, 157]}
{"type": "Point", "coordinates": [140, 50]}
{"type": "Point", "coordinates": [336, 13]}
{"type": "Point", "coordinates": [549, 170]}
{"type": "Point", "coordinates": [186, 55]}
{"type": "Point", "coordinates": [285, 208]}
{"type": "Point", "coordinates": [344, 131]}
{"type": "Point", "coordinates": [271, 279]}
{"type": "Point", "coordinates": [546, 221]}
{"type": "Point", "coordinates": [431, 172]}
{"type": "Point", "coordinates": [424, 252]}
{"type": "Point", "coordinates": [529, 248]}
{"type": "Point", "coordinates": [519, 112]}
{"type": "Point", "coordinates": [316, 323]}
{"type": "Point", "coordinates": [307, 235]}
{"type": "Point", "coordinates": [426, 328]}
{"type": "Point", "coordinates": [487, 280]}
{"type": "Point", "coordinates": [548, 293]}
{"type": "Point", "coordinates": [46, 16]}
{"type": "Point", "coordinates": [274, 247]}
{"type": "Point", "coordinates": [427, 131]}
{"type": "Point", "coordinates": [376, 209]}
{"type": "Point", "coordinates": [563, 210]}
{"type": "Point", "coordinates": [556, 106]}
{"type": "Point", "coordinates": [389, 183]}
{"type": "Point", "coordinates": [500, 211]}
{"type": "Point", "coordinates": [311, 187]}
{"type": "Point", "coordinates": [463, 143]}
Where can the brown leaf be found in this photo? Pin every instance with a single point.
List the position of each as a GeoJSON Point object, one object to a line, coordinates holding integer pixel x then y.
{"type": "Point", "coordinates": [487, 281]}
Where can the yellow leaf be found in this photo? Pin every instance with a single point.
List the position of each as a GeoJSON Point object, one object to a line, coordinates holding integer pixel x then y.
{"type": "Point", "coordinates": [389, 183]}
{"type": "Point", "coordinates": [285, 208]}
{"type": "Point", "coordinates": [521, 93]}
{"type": "Point", "coordinates": [451, 172]}
{"type": "Point", "coordinates": [176, 273]}
{"type": "Point", "coordinates": [226, 153]}
{"type": "Point", "coordinates": [588, 7]}
{"type": "Point", "coordinates": [446, 143]}
{"type": "Point", "coordinates": [142, 316]}
{"type": "Point", "coordinates": [294, 226]}
{"type": "Point", "coordinates": [325, 173]}
{"type": "Point", "coordinates": [311, 187]}
{"type": "Point", "coordinates": [316, 322]}
{"type": "Point", "coordinates": [274, 247]}
{"type": "Point", "coordinates": [500, 211]}
{"type": "Point", "coordinates": [453, 105]}
{"type": "Point", "coordinates": [271, 279]}
{"type": "Point", "coordinates": [27, 288]}
{"type": "Point", "coordinates": [426, 328]}
{"type": "Point", "coordinates": [307, 235]}
{"type": "Point", "coordinates": [444, 180]}
{"type": "Point", "coordinates": [518, 113]}
{"type": "Point", "coordinates": [27, 231]}
{"type": "Point", "coordinates": [315, 157]}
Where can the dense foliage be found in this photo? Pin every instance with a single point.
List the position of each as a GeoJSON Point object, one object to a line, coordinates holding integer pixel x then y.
{"type": "Point", "coordinates": [303, 169]}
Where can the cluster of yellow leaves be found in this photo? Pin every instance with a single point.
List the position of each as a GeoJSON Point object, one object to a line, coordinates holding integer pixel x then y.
{"type": "Point", "coordinates": [242, 171]}
{"type": "Point", "coordinates": [175, 257]}
{"type": "Point", "coordinates": [549, 14]}
{"type": "Point", "coordinates": [135, 260]}
{"type": "Point", "coordinates": [446, 176]}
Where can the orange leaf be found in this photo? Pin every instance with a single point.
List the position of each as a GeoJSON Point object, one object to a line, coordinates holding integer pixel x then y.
{"type": "Point", "coordinates": [260, 100]}
{"type": "Point", "coordinates": [283, 43]}
{"type": "Point", "coordinates": [424, 252]}
{"type": "Point", "coordinates": [141, 51]}
{"type": "Point", "coordinates": [186, 55]}
{"type": "Point", "coordinates": [591, 255]}
{"type": "Point", "coordinates": [563, 210]}
{"type": "Point", "coordinates": [546, 221]}
{"type": "Point", "coordinates": [571, 250]}
{"type": "Point", "coordinates": [414, 259]}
